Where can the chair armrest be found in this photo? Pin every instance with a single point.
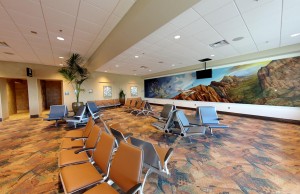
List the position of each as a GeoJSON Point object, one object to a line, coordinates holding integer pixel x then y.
{"type": "Point", "coordinates": [191, 125]}
{"type": "Point", "coordinates": [134, 189]}
{"type": "Point", "coordinates": [169, 153]}
{"type": "Point", "coordinates": [127, 135]}
{"type": "Point", "coordinates": [82, 150]}
{"type": "Point", "coordinates": [77, 138]}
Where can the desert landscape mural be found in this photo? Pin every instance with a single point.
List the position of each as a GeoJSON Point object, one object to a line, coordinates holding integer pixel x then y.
{"type": "Point", "coordinates": [273, 82]}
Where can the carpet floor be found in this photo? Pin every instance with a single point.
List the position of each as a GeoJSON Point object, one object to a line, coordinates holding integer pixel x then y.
{"type": "Point", "coordinates": [251, 156]}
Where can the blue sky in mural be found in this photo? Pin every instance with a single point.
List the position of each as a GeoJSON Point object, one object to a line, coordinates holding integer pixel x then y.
{"type": "Point", "coordinates": [168, 87]}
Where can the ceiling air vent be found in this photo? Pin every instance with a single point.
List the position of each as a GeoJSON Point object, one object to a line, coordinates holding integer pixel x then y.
{"type": "Point", "coordinates": [3, 44]}
{"type": "Point", "coordinates": [144, 67]}
{"type": "Point", "coordinates": [219, 44]}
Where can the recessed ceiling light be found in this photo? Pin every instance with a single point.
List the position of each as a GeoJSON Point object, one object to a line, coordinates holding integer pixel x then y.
{"type": "Point", "coordinates": [60, 38]}
{"type": "Point", "coordinates": [238, 38]}
{"type": "Point", "coordinates": [150, 70]}
{"type": "Point", "coordinates": [134, 74]}
{"type": "Point", "coordinates": [294, 35]}
{"type": "Point", "coordinates": [177, 37]}
{"type": "Point", "coordinates": [105, 71]}
{"type": "Point", "coordinates": [61, 57]}
{"type": "Point", "coordinates": [117, 65]}
{"type": "Point", "coordinates": [173, 65]}
{"type": "Point", "coordinates": [212, 55]}
{"type": "Point", "coordinates": [136, 56]}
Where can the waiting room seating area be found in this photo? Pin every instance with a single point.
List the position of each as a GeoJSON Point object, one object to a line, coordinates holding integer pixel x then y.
{"type": "Point", "coordinates": [180, 163]}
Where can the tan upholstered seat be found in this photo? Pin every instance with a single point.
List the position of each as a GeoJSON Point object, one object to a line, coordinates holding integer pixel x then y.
{"type": "Point", "coordinates": [161, 153]}
{"type": "Point", "coordinates": [125, 171]}
{"type": "Point", "coordinates": [84, 133]}
{"type": "Point", "coordinates": [102, 188]}
{"type": "Point", "coordinates": [80, 176]}
{"type": "Point", "coordinates": [68, 157]}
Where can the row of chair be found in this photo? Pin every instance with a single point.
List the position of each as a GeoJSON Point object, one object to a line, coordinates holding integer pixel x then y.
{"type": "Point", "coordinates": [85, 150]}
{"type": "Point", "coordinates": [175, 121]}
{"type": "Point", "coordinates": [60, 112]}
{"type": "Point", "coordinates": [137, 107]}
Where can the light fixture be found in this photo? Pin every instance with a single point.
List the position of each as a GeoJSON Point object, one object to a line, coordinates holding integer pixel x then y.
{"type": "Point", "coordinates": [136, 56]}
{"type": "Point", "coordinates": [173, 65]}
{"type": "Point", "coordinates": [294, 35]}
{"type": "Point", "coordinates": [60, 38]}
{"type": "Point", "coordinates": [117, 65]}
{"type": "Point", "coordinates": [150, 70]}
{"type": "Point", "coordinates": [134, 74]}
{"type": "Point", "coordinates": [61, 57]}
{"type": "Point", "coordinates": [212, 55]}
{"type": "Point", "coordinates": [177, 37]}
{"type": "Point", "coordinates": [238, 38]}
{"type": "Point", "coordinates": [105, 71]}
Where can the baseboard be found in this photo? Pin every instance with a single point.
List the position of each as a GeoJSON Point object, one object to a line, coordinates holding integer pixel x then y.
{"type": "Point", "coordinates": [34, 116]}
{"type": "Point", "coordinates": [244, 115]}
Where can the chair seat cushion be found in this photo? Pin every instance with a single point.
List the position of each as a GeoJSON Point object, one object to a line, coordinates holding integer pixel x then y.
{"type": "Point", "coordinates": [69, 144]}
{"type": "Point", "coordinates": [102, 188]}
{"type": "Point", "coordinates": [68, 157]}
{"type": "Point", "coordinates": [79, 176]}
{"type": "Point", "coordinates": [74, 133]}
{"type": "Point", "coordinates": [161, 153]}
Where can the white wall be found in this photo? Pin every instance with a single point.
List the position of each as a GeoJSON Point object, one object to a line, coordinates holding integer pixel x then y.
{"type": "Point", "coordinates": [282, 112]}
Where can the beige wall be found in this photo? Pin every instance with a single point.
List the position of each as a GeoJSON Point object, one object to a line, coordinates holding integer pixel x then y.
{"type": "Point", "coordinates": [44, 72]}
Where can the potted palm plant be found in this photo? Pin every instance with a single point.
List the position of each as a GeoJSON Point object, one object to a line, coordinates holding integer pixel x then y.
{"type": "Point", "coordinates": [122, 97]}
{"type": "Point", "coordinates": [76, 74]}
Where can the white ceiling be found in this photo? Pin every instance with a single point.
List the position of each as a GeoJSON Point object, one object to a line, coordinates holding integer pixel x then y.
{"type": "Point", "coordinates": [84, 24]}
{"type": "Point", "coordinates": [264, 24]}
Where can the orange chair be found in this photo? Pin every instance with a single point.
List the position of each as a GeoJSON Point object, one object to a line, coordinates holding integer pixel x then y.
{"type": "Point", "coordinates": [78, 156]}
{"type": "Point", "coordinates": [77, 177]}
{"type": "Point", "coordinates": [70, 143]}
{"type": "Point", "coordinates": [81, 133]}
{"type": "Point", "coordinates": [125, 171]}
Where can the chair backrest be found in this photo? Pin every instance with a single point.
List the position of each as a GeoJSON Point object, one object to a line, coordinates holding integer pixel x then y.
{"type": "Point", "coordinates": [143, 105]}
{"type": "Point", "coordinates": [81, 112]}
{"type": "Point", "coordinates": [148, 106]}
{"type": "Point", "coordinates": [92, 107]}
{"type": "Point", "coordinates": [88, 128]}
{"type": "Point", "coordinates": [150, 155]}
{"type": "Point", "coordinates": [93, 138]}
{"type": "Point", "coordinates": [209, 115]}
{"type": "Point", "coordinates": [139, 104]}
{"type": "Point", "coordinates": [103, 152]}
{"type": "Point", "coordinates": [133, 102]}
{"type": "Point", "coordinates": [118, 135]}
{"type": "Point", "coordinates": [57, 111]}
{"type": "Point", "coordinates": [165, 113]}
{"type": "Point", "coordinates": [183, 121]}
{"type": "Point", "coordinates": [107, 130]}
{"type": "Point", "coordinates": [126, 167]}
{"type": "Point", "coordinates": [128, 102]}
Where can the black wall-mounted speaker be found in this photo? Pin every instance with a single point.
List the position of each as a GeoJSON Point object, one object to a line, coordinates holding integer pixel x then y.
{"type": "Point", "coordinates": [29, 72]}
{"type": "Point", "coordinates": [207, 73]}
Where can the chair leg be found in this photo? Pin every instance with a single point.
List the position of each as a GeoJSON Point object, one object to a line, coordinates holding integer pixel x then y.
{"type": "Point", "coordinates": [211, 132]}
{"type": "Point", "coordinates": [149, 171]}
{"type": "Point", "coordinates": [56, 123]}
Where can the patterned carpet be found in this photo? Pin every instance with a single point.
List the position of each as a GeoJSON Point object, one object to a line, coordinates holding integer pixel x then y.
{"type": "Point", "coordinates": [252, 156]}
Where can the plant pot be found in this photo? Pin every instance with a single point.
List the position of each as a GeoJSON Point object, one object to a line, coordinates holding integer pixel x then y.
{"type": "Point", "coordinates": [75, 106]}
{"type": "Point", "coordinates": [122, 100]}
